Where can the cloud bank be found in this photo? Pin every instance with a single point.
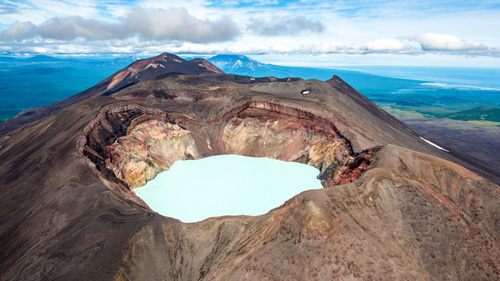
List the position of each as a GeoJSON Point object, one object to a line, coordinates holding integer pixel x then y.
{"type": "Point", "coordinates": [19, 30]}
{"type": "Point", "coordinates": [153, 24]}
{"type": "Point", "coordinates": [447, 42]}
{"type": "Point", "coordinates": [423, 43]}
{"type": "Point", "coordinates": [77, 27]}
{"type": "Point", "coordinates": [410, 30]}
{"type": "Point", "coordinates": [178, 24]}
{"type": "Point", "coordinates": [284, 26]}
{"type": "Point", "coordinates": [414, 45]}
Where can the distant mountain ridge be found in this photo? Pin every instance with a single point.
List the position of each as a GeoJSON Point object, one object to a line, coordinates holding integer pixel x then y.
{"type": "Point", "coordinates": [239, 64]}
{"type": "Point", "coordinates": [52, 59]}
{"type": "Point", "coordinates": [42, 58]}
{"type": "Point", "coordinates": [122, 61]}
{"type": "Point", "coordinates": [34, 59]}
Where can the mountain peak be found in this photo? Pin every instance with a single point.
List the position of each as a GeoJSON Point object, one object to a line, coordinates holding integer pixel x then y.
{"type": "Point", "coordinates": [169, 57]}
{"type": "Point", "coordinates": [42, 58]}
{"type": "Point", "coordinates": [237, 64]}
{"type": "Point", "coordinates": [163, 59]}
{"type": "Point", "coordinates": [232, 58]}
{"type": "Point", "coordinates": [162, 64]}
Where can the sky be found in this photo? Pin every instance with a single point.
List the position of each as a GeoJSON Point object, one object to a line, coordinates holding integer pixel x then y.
{"type": "Point", "coordinates": [300, 32]}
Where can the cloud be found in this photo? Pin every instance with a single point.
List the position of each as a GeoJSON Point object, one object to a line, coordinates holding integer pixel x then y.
{"type": "Point", "coordinates": [7, 10]}
{"type": "Point", "coordinates": [178, 24]}
{"type": "Point", "coordinates": [152, 24]}
{"type": "Point", "coordinates": [391, 46]}
{"type": "Point", "coordinates": [19, 30]}
{"type": "Point", "coordinates": [420, 44]}
{"type": "Point", "coordinates": [175, 30]}
{"type": "Point", "coordinates": [330, 47]}
{"type": "Point", "coordinates": [447, 42]}
{"type": "Point", "coordinates": [74, 27]}
{"type": "Point", "coordinates": [243, 3]}
{"type": "Point", "coordinates": [423, 43]}
{"type": "Point", "coordinates": [379, 46]}
{"type": "Point", "coordinates": [284, 26]}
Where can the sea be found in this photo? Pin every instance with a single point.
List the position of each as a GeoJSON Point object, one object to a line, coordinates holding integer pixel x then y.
{"type": "Point", "coordinates": [25, 85]}
{"type": "Point", "coordinates": [474, 78]}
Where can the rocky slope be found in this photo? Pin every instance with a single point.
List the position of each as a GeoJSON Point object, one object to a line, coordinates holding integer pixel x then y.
{"type": "Point", "coordinates": [392, 207]}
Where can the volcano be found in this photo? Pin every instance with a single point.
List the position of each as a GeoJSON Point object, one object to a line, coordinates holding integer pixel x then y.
{"type": "Point", "coordinates": [395, 205]}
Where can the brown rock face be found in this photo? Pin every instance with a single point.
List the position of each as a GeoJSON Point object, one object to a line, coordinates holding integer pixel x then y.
{"type": "Point", "coordinates": [391, 208]}
{"type": "Point", "coordinates": [133, 144]}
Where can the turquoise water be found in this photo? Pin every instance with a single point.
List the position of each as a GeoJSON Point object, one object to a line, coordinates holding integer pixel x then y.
{"type": "Point", "coordinates": [194, 190]}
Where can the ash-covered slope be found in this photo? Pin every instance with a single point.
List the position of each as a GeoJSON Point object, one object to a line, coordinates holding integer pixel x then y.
{"type": "Point", "coordinates": [391, 208]}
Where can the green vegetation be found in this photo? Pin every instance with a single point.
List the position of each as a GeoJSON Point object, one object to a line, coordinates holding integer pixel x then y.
{"type": "Point", "coordinates": [480, 113]}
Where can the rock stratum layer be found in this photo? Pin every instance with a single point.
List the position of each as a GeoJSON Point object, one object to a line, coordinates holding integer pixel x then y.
{"type": "Point", "coordinates": [392, 208]}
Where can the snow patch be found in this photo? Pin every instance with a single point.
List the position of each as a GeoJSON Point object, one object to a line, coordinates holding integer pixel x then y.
{"type": "Point", "coordinates": [435, 145]}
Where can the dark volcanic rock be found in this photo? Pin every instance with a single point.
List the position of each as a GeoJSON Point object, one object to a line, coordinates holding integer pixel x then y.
{"type": "Point", "coordinates": [392, 207]}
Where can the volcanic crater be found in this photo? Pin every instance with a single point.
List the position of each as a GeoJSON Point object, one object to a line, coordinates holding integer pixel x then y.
{"type": "Point", "coordinates": [131, 144]}
{"type": "Point", "coordinates": [393, 206]}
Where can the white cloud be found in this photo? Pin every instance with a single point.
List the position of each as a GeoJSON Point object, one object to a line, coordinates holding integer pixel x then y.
{"type": "Point", "coordinates": [420, 44]}
{"type": "Point", "coordinates": [378, 46]}
{"type": "Point", "coordinates": [19, 30]}
{"type": "Point", "coordinates": [178, 24]}
{"type": "Point", "coordinates": [73, 27]}
{"type": "Point", "coordinates": [319, 28]}
{"type": "Point", "coordinates": [283, 46]}
{"type": "Point", "coordinates": [446, 42]}
{"type": "Point", "coordinates": [391, 46]}
{"type": "Point", "coordinates": [152, 24]}
{"type": "Point", "coordinates": [284, 26]}
{"type": "Point", "coordinates": [433, 42]}
{"type": "Point", "coordinates": [328, 47]}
